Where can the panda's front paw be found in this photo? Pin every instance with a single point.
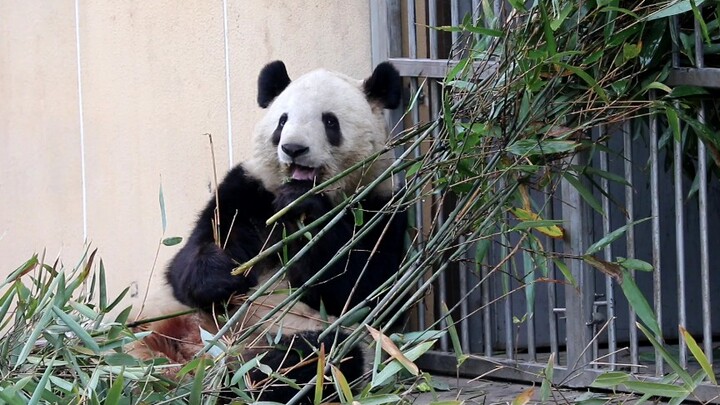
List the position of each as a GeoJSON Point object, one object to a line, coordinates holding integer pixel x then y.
{"type": "Point", "coordinates": [308, 209]}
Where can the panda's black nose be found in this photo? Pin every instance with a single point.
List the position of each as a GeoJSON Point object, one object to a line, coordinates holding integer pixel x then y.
{"type": "Point", "coordinates": [294, 149]}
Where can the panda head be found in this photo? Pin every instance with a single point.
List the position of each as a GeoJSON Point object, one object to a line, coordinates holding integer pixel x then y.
{"type": "Point", "coordinates": [321, 124]}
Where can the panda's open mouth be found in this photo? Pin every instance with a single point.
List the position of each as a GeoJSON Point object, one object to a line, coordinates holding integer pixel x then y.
{"type": "Point", "coordinates": [298, 172]}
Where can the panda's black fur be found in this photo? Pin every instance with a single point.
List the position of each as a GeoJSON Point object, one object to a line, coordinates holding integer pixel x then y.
{"type": "Point", "coordinates": [200, 273]}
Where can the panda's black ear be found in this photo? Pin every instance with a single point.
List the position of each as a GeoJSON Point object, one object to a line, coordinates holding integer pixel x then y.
{"type": "Point", "coordinates": [273, 79]}
{"type": "Point", "coordinates": [384, 86]}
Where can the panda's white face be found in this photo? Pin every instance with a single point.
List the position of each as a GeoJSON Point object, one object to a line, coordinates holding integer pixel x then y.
{"type": "Point", "coordinates": [319, 125]}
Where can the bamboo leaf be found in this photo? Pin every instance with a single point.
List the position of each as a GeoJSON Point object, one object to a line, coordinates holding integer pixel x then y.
{"type": "Point", "coordinates": [670, 359]}
{"type": "Point", "coordinates": [547, 381]}
{"type": "Point", "coordinates": [611, 237]}
{"type": "Point", "coordinates": [638, 302]}
{"type": "Point", "coordinates": [586, 194]}
{"type": "Point", "coordinates": [698, 354]}
{"type": "Point", "coordinates": [320, 372]}
{"type": "Point", "coordinates": [78, 330]}
{"type": "Point", "coordinates": [460, 357]}
{"type": "Point", "coordinates": [343, 388]}
{"type": "Point", "coordinates": [115, 391]}
{"type": "Point", "coordinates": [610, 379]}
{"type": "Point", "coordinates": [40, 389]}
{"type": "Point", "coordinates": [657, 389]}
{"type": "Point", "coordinates": [524, 397]}
{"type": "Point", "coordinates": [634, 264]}
{"type": "Point", "coordinates": [389, 347]}
{"type": "Point", "coordinates": [394, 367]}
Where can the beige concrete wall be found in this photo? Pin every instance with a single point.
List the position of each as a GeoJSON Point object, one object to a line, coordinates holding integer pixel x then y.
{"type": "Point", "coordinates": [153, 82]}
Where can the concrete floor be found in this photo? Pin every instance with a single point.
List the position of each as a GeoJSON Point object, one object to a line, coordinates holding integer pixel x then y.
{"type": "Point", "coordinates": [484, 392]}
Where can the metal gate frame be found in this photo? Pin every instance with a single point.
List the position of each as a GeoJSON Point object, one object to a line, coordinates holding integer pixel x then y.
{"type": "Point", "coordinates": [394, 39]}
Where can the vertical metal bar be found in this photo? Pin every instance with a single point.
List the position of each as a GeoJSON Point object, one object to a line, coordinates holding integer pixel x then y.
{"type": "Point", "coordinates": [608, 255]}
{"type": "Point", "coordinates": [507, 302]}
{"type": "Point", "coordinates": [463, 280]}
{"type": "Point", "coordinates": [434, 111]}
{"type": "Point", "coordinates": [530, 318]}
{"type": "Point", "coordinates": [679, 218]}
{"type": "Point", "coordinates": [702, 208]}
{"type": "Point", "coordinates": [680, 243]}
{"type": "Point", "coordinates": [415, 115]}
{"type": "Point", "coordinates": [578, 303]}
{"type": "Point", "coordinates": [552, 293]}
{"type": "Point", "coordinates": [487, 324]}
{"type": "Point", "coordinates": [655, 214]}
{"type": "Point", "coordinates": [455, 19]}
{"type": "Point", "coordinates": [630, 238]}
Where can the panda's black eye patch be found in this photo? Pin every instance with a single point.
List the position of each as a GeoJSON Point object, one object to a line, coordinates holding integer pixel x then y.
{"type": "Point", "coordinates": [332, 128]}
{"type": "Point", "coordinates": [278, 130]}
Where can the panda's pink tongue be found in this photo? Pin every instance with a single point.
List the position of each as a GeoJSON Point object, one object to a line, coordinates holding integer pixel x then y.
{"type": "Point", "coordinates": [302, 173]}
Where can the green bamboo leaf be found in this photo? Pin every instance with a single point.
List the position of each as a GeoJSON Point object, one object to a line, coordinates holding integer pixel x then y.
{"type": "Point", "coordinates": [698, 354]}
{"type": "Point", "coordinates": [669, 358]}
{"type": "Point", "coordinates": [172, 241]}
{"type": "Point", "coordinates": [197, 385]}
{"type": "Point", "coordinates": [674, 123]}
{"type": "Point", "coordinates": [584, 192]}
{"type": "Point", "coordinates": [565, 272]}
{"type": "Point", "coordinates": [535, 147]}
{"type": "Point", "coordinates": [610, 379]}
{"type": "Point", "coordinates": [379, 400]}
{"type": "Point", "coordinates": [40, 389]}
{"type": "Point", "coordinates": [460, 357]}
{"type": "Point", "coordinates": [657, 389]}
{"type": "Point", "coordinates": [673, 9]}
{"type": "Point", "coordinates": [78, 330]}
{"type": "Point", "coordinates": [634, 264]}
{"type": "Point", "coordinates": [394, 366]}
{"type": "Point", "coordinates": [103, 288]}
{"type": "Point", "coordinates": [587, 79]}
{"type": "Point", "coordinates": [22, 270]}
{"type": "Point", "coordinates": [547, 29]}
{"type": "Point", "coordinates": [32, 339]}
{"type": "Point", "coordinates": [341, 385]}
{"type": "Point", "coordinates": [115, 391]}
{"type": "Point", "coordinates": [611, 237]}
{"type": "Point", "coordinates": [547, 379]}
{"type": "Point", "coordinates": [638, 302]}
{"type": "Point", "coordinates": [245, 368]}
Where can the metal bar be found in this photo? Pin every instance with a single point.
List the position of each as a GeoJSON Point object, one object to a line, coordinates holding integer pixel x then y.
{"type": "Point", "coordinates": [463, 281]}
{"type": "Point", "coordinates": [552, 293]}
{"type": "Point", "coordinates": [679, 219]}
{"type": "Point", "coordinates": [608, 255]}
{"type": "Point", "coordinates": [702, 208]}
{"type": "Point", "coordinates": [629, 241]}
{"type": "Point", "coordinates": [487, 324]}
{"type": "Point", "coordinates": [701, 76]}
{"type": "Point", "coordinates": [578, 303]}
{"type": "Point", "coordinates": [507, 302]}
{"type": "Point", "coordinates": [530, 320]}
{"type": "Point", "coordinates": [655, 214]}
{"type": "Point", "coordinates": [455, 20]}
{"type": "Point", "coordinates": [436, 68]}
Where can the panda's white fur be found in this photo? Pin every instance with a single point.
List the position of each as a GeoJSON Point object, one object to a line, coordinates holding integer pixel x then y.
{"type": "Point", "coordinates": [343, 96]}
{"type": "Point", "coordinates": [199, 275]}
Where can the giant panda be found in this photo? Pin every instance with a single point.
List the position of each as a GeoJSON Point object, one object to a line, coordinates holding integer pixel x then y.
{"type": "Point", "coordinates": [315, 127]}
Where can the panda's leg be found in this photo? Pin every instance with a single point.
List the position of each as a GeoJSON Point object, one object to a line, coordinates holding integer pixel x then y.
{"type": "Point", "coordinates": [295, 357]}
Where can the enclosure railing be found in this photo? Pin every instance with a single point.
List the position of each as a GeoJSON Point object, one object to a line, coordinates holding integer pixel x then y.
{"type": "Point", "coordinates": [591, 329]}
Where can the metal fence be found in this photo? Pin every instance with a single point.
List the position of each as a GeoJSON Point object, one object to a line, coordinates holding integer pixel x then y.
{"type": "Point", "coordinates": [593, 329]}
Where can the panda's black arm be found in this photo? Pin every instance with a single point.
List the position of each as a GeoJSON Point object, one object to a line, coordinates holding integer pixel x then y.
{"type": "Point", "coordinates": [375, 262]}
{"type": "Point", "coordinates": [200, 272]}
